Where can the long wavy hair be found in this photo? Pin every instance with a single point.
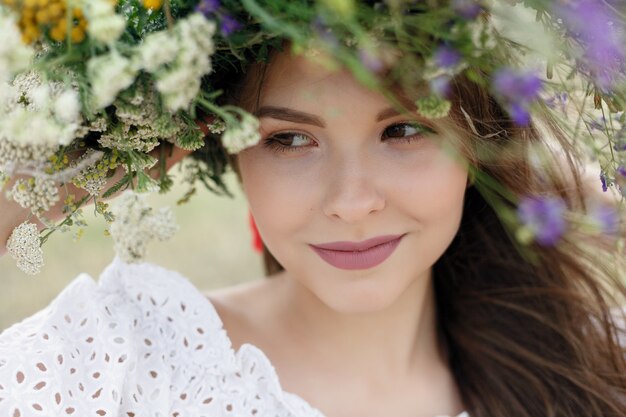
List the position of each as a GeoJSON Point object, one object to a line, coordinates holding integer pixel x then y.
{"type": "Point", "coordinates": [525, 338]}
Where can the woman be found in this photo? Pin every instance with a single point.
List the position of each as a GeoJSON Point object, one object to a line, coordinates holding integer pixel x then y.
{"type": "Point", "coordinates": [392, 280]}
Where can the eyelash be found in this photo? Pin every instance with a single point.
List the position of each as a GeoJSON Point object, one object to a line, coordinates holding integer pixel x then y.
{"type": "Point", "coordinates": [274, 144]}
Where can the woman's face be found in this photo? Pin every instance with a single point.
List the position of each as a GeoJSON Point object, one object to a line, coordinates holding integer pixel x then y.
{"type": "Point", "coordinates": [336, 164]}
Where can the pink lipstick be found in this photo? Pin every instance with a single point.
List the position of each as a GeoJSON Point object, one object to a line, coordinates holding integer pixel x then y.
{"type": "Point", "coordinates": [358, 255]}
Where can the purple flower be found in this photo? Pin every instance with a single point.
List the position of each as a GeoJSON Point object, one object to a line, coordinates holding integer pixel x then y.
{"type": "Point", "coordinates": [370, 60]}
{"type": "Point", "coordinates": [597, 124]}
{"type": "Point", "coordinates": [469, 9]}
{"type": "Point", "coordinates": [560, 100]}
{"type": "Point", "coordinates": [207, 7]}
{"type": "Point", "coordinates": [519, 113]}
{"type": "Point", "coordinates": [446, 57]}
{"type": "Point", "coordinates": [544, 217]}
{"type": "Point", "coordinates": [518, 91]}
{"type": "Point", "coordinates": [441, 86]}
{"type": "Point", "coordinates": [603, 181]}
{"type": "Point", "coordinates": [228, 25]}
{"type": "Point", "coordinates": [621, 170]}
{"type": "Point", "coordinates": [324, 32]}
{"type": "Point", "coordinates": [517, 86]}
{"type": "Point", "coordinates": [600, 32]}
{"type": "Point", "coordinates": [606, 217]}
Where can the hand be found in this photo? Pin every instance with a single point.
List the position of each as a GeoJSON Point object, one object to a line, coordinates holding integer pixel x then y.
{"type": "Point", "coordinates": [13, 214]}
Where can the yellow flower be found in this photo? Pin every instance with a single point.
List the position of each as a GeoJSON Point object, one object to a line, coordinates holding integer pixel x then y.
{"type": "Point", "coordinates": [56, 10]}
{"type": "Point", "coordinates": [30, 34]}
{"type": "Point", "coordinates": [152, 4]}
{"type": "Point", "coordinates": [78, 35]}
{"type": "Point", "coordinates": [58, 32]}
{"type": "Point", "coordinates": [43, 16]}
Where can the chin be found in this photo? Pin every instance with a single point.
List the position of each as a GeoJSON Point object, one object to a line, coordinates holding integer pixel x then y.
{"type": "Point", "coordinates": [360, 297]}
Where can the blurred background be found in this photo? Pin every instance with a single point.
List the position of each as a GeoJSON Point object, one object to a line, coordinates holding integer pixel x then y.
{"type": "Point", "coordinates": [212, 248]}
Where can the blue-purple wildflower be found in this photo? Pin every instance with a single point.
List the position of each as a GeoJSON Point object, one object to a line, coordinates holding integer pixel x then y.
{"type": "Point", "coordinates": [446, 57]}
{"type": "Point", "coordinates": [543, 217]}
{"type": "Point", "coordinates": [324, 32]}
{"type": "Point", "coordinates": [228, 25]}
{"type": "Point", "coordinates": [597, 124]}
{"type": "Point", "coordinates": [469, 9]}
{"type": "Point", "coordinates": [606, 218]}
{"type": "Point", "coordinates": [208, 7]}
{"type": "Point", "coordinates": [370, 60]}
{"type": "Point", "coordinates": [601, 34]}
{"type": "Point", "coordinates": [603, 181]}
{"type": "Point", "coordinates": [559, 100]}
{"type": "Point", "coordinates": [621, 170]}
{"type": "Point", "coordinates": [518, 91]}
{"type": "Point", "coordinates": [441, 85]}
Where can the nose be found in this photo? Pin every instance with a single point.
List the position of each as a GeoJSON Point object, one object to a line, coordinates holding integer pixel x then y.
{"type": "Point", "coordinates": [352, 193]}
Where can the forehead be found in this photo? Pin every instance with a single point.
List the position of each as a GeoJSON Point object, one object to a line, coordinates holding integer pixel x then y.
{"type": "Point", "coordinates": [306, 83]}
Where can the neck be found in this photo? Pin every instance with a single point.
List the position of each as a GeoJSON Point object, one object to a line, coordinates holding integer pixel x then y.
{"type": "Point", "coordinates": [395, 342]}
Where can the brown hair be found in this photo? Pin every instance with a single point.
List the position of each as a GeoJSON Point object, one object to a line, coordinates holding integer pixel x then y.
{"type": "Point", "coordinates": [529, 338]}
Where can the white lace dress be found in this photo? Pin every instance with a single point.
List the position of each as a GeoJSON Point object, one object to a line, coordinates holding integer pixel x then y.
{"type": "Point", "coordinates": [141, 342]}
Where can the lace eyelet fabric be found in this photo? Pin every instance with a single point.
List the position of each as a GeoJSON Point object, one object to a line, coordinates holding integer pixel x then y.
{"type": "Point", "coordinates": [140, 342]}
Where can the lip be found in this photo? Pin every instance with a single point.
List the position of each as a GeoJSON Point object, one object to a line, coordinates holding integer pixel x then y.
{"type": "Point", "coordinates": [358, 255]}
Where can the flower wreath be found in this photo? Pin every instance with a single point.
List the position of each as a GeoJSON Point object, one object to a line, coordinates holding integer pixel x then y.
{"type": "Point", "coordinates": [87, 86]}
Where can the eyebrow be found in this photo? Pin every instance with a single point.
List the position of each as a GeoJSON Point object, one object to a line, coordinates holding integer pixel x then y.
{"type": "Point", "coordinates": [290, 115]}
{"type": "Point", "coordinates": [296, 116]}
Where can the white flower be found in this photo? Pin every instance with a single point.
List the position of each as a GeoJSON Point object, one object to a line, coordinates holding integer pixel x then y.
{"type": "Point", "coordinates": [37, 125]}
{"type": "Point", "coordinates": [15, 56]}
{"type": "Point", "coordinates": [109, 74]}
{"type": "Point", "coordinates": [37, 194]}
{"type": "Point", "coordinates": [24, 246]}
{"type": "Point", "coordinates": [136, 224]}
{"type": "Point", "coordinates": [67, 107]}
{"type": "Point", "coordinates": [39, 97]}
{"type": "Point", "coordinates": [178, 87]}
{"type": "Point", "coordinates": [483, 36]}
{"type": "Point", "coordinates": [104, 24]}
{"type": "Point", "coordinates": [157, 49]}
{"type": "Point", "coordinates": [236, 138]}
{"type": "Point", "coordinates": [179, 59]}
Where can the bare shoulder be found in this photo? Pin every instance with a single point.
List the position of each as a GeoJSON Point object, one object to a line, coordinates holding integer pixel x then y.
{"type": "Point", "coordinates": [246, 310]}
{"type": "Point", "coordinates": [244, 295]}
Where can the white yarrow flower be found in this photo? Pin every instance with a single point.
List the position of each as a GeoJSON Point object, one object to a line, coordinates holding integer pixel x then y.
{"type": "Point", "coordinates": [109, 74]}
{"type": "Point", "coordinates": [67, 107]}
{"type": "Point", "coordinates": [37, 194]}
{"type": "Point", "coordinates": [178, 87]}
{"type": "Point", "coordinates": [156, 50]}
{"type": "Point", "coordinates": [237, 138]}
{"type": "Point", "coordinates": [15, 56]}
{"type": "Point", "coordinates": [39, 97]}
{"type": "Point", "coordinates": [136, 224]}
{"type": "Point", "coordinates": [104, 24]}
{"type": "Point", "coordinates": [25, 247]}
{"type": "Point", "coordinates": [179, 59]}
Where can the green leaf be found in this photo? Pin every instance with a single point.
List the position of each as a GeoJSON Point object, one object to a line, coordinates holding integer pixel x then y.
{"type": "Point", "coordinates": [115, 188]}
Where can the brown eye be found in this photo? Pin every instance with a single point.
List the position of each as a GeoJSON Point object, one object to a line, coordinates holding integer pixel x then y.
{"type": "Point", "coordinates": [291, 139]}
{"type": "Point", "coordinates": [406, 132]}
{"type": "Point", "coordinates": [288, 141]}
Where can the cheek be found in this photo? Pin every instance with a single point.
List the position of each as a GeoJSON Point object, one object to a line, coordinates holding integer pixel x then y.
{"type": "Point", "coordinates": [280, 195]}
{"type": "Point", "coordinates": [432, 184]}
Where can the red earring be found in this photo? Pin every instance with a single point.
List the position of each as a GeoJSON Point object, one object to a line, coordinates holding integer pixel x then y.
{"type": "Point", "coordinates": [257, 243]}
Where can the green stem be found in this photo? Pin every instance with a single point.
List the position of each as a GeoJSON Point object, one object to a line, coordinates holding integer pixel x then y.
{"type": "Point", "coordinates": [43, 239]}
{"type": "Point", "coordinates": [215, 109]}
{"type": "Point", "coordinates": [168, 14]}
